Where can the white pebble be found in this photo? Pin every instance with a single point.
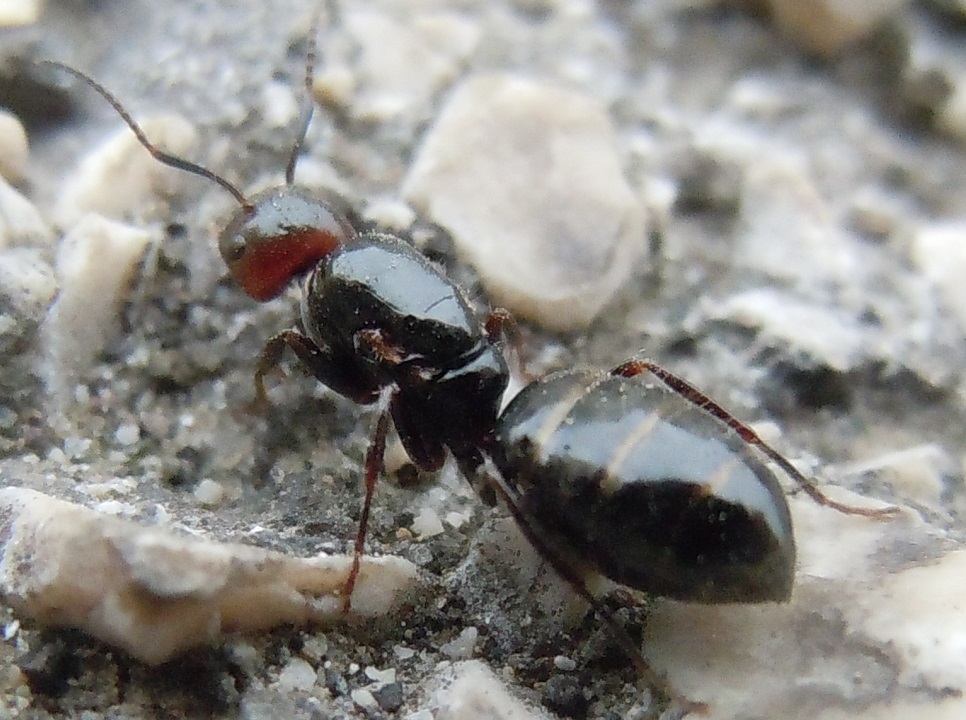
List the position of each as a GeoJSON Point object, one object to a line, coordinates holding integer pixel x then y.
{"type": "Point", "coordinates": [19, 12]}
{"type": "Point", "coordinates": [381, 676]}
{"type": "Point", "coordinates": [462, 646]}
{"type": "Point", "coordinates": [95, 264]}
{"type": "Point", "coordinates": [426, 524]}
{"type": "Point", "coordinates": [402, 652]}
{"type": "Point", "coordinates": [21, 222]}
{"type": "Point", "coordinates": [127, 433]}
{"type": "Point", "coordinates": [527, 178]}
{"type": "Point", "coordinates": [209, 492]}
{"type": "Point", "coordinates": [363, 698]}
{"type": "Point", "coordinates": [564, 663]}
{"type": "Point", "coordinates": [14, 149]}
{"type": "Point", "coordinates": [297, 675]}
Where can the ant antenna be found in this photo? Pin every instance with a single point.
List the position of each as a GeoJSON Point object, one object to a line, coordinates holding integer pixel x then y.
{"type": "Point", "coordinates": [156, 152]}
{"type": "Point", "coordinates": [308, 104]}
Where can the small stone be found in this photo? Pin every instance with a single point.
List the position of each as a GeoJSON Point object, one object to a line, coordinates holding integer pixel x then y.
{"type": "Point", "coordinates": [14, 149]}
{"type": "Point", "coordinates": [463, 646]}
{"type": "Point", "coordinates": [939, 251]}
{"type": "Point", "coordinates": [335, 682]}
{"type": "Point", "coordinates": [822, 335]}
{"type": "Point", "coordinates": [391, 214]}
{"type": "Point", "coordinates": [398, 63]}
{"type": "Point", "coordinates": [297, 675]}
{"type": "Point", "coordinates": [95, 264]}
{"type": "Point", "coordinates": [19, 12]}
{"type": "Point", "coordinates": [363, 698]}
{"type": "Point", "coordinates": [875, 214]}
{"type": "Point", "coordinates": [315, 647]}
{"type": "Point", "coordinates": [381, 677]}
{"type": "Point", "coordinates": [156, 594]}
{"type": "Point", "coordinates": [21, 222]}
{"type": "Point", "coordinates": [120, 180]}
{"type": "Point", "coordinates": [917, 472]}
{"type": "Point", "coordinates": [471, 690]}
{"type": "Point", "coordinates": [780, 199]}
{"type": "Point", "coordinates": [427, 524]}
{"type": "Point", "coordinates": [389, 696]}
{"type": "Point", "coordinates": [919, 614]}
{"type": "Point", "coordinates": [827, 27]}
{"type": "Point", "coordinates": [280, 108]}
{"type": "Point", "coordinates": [127, 434]}
{"type": "Point", "coordinates": [209, 492]}
{"type": "Point", "coordinates": [402, 652]}
{"type": "Point", "coordinates": [527, 178]}
{"type": "Point", "coordinates": [564, 663]}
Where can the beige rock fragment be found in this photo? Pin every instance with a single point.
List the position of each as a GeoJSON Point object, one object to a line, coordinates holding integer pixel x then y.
{"type": "Point", "coordinates": [527, 178]}
{"type": "Point", "coordinates": [471, 690]}
{"type": "Point", "coordinates": [20, 221]}
{"type": "Point", "coordinates": [921, 614]}
{"type": "Point", "coordinates": [19, 12]}
{"type": "Point", "coordinates": [939, 253]}
{"type": "Point", "coordinates": [388, 66]}
{"type": "Point", "coordinates": [95, 264]}
{"type": "Point", "coordinates": [14, 149]}
{"type": "Point", "coordinates": [156, 594]}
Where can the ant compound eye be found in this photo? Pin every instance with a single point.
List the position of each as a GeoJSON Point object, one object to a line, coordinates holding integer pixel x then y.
{"type": "Point", "coordinates": [232, 247]}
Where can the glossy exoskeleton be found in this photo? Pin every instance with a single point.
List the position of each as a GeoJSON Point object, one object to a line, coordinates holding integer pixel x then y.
{"type": "Point", "coordinates": [635, 474]}
{"type": "Point", "coordinates": [647, 489]}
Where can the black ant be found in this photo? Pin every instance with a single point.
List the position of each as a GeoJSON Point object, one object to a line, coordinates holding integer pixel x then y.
{"type": "Point", "coordinates": [653, 485]}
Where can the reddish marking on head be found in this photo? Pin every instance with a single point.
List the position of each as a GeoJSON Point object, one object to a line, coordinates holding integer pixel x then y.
{"type": "Point", "coordinates": [266, 267]}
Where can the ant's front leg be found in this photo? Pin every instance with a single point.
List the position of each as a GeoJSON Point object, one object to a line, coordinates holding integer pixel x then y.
{"type": "Point", "coordinates": [334, 371]}
{"type": "Point", "coordinates": [344, 378]}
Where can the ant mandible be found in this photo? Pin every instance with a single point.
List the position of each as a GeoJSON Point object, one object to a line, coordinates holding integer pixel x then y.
{"type": "Point", "coordinates": [653, 485]}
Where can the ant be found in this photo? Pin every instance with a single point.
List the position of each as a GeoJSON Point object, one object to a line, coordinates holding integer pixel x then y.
{"type": "Point", "coordinates": [653, 485]}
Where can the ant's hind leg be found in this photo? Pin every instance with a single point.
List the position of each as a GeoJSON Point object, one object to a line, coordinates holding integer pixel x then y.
{"type": "Point", "coordinates": [696, 397]}
{"type": "Point", "coordinates": [489, 476]}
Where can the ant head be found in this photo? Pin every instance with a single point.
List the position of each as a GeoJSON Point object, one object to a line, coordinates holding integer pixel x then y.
{"type": "Point", "coordinates": [278, 235]}
{"type": "Point", "coordinates": [274, 236]}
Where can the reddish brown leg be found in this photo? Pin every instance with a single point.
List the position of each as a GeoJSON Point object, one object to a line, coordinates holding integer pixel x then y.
{"type": "Point", "coordinates": [374, 463]}
{"type": "Point", "coordinates": [500, 323]}
{"type": "Point", "coordinates": [690, 393]}
{"type": "Point", "coordinates": [573, 577]}
{"type": "Point", "coordinates": [268, 360]}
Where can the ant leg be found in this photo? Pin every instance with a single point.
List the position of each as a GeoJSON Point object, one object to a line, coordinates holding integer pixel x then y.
{"type": "Point", "coordinates": [268, 360]}
{"type": "Point", "coordinates": [500, 323]}
{"type": "Point", "coordinates": [374, 463]}
{"type": "Point", "coordinates": [339, 376]}
{"type": "Point", "coordinates": [697, 398]}
{"type": "Point", "coordinates": [494, 480]}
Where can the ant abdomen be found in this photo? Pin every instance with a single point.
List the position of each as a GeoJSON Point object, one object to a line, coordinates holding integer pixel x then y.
{"type": "Point", "coordinates": [631, 480]}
